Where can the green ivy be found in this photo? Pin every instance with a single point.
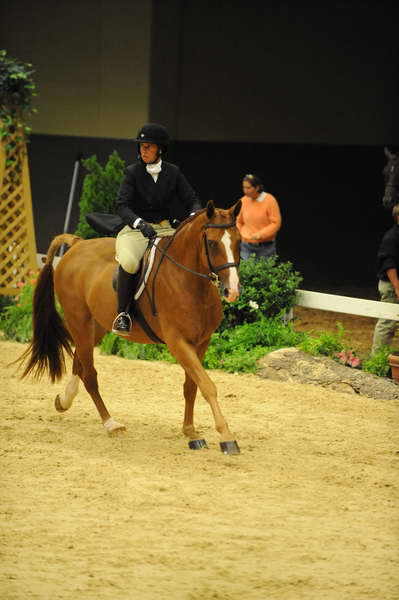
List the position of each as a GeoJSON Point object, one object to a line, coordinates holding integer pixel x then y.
{"type": "Point", "coordinates": [100, 189]}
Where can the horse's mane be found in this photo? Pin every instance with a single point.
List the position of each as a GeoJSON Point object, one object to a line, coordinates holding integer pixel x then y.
{"type": "Point", "coordinates": [189, 220]}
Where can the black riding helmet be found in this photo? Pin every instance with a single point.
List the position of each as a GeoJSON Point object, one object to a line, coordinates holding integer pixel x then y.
{"type": "Point", "coordinates": [154, 134]}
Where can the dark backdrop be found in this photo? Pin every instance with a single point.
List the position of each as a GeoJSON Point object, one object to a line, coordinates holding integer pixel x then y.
{"type": "Point", "coordinates": [330, 197]}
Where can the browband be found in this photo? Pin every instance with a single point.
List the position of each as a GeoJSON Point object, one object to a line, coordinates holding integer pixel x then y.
{"type": "Point", "coordinates": [219, 225]}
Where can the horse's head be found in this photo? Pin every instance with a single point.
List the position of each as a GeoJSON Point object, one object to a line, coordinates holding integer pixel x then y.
{"type": "Point", "coordinates": [221, 248]}
{"type": "Point", "coordinates": [391, 176]}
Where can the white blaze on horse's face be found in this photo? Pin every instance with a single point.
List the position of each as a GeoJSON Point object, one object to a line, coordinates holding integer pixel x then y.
{"type": "Point", "coordinates": [233, 281]}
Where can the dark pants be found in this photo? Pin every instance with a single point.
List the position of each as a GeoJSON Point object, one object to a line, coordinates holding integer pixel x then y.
{"type": "Point", "coordinates": [261, 250]}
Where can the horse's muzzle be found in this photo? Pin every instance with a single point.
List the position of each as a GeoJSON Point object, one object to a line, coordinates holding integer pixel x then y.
{"type": "Point", "coordinates": [231, 295]}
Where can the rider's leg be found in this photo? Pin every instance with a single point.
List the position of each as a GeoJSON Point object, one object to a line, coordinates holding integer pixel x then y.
{"type": "Point", "coordinates": [130, 247]}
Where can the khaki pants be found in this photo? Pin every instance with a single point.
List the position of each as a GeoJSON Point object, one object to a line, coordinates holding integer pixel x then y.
{"type": "Point", "coordinates": [385, 329]}
{"type": "Point", "coordinates": [131, 245]}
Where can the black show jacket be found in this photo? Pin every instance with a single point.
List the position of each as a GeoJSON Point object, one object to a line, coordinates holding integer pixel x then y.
{"type": "Point", "coordinates": [388, 253]}
{"type": "Point", "coordinates": [170, 197]}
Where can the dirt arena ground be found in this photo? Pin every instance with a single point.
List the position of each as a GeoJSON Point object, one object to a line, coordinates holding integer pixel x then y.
{"type": "Point", "coordinates": [308, 511]}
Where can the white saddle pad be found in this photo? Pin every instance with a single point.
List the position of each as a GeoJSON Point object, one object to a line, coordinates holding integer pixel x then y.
{"type": "Point", "coordinates": [148, 270]}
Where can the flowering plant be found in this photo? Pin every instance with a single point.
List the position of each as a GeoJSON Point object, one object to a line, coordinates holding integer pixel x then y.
{"type": "Point", "coordinates": [348, 358]}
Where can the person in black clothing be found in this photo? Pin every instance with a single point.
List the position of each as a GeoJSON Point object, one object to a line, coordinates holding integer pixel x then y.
{"type": "Point", "coordinates": [388, 284]}
{"type": "Point", "coordinates": [154, 195]}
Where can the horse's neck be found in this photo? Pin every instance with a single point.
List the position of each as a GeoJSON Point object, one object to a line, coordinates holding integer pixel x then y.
{"type": "Point", "coordinates": [186, 247]}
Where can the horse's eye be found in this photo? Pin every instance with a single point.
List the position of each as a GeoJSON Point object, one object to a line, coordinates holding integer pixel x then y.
{"type": "Point", "coordinates": [212, 244]}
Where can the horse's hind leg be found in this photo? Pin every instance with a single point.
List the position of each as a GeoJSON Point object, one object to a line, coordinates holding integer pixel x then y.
{"type": "Point", "coordinates": [84, 333]}
{"type": "Point", "coordinates": [64, 401]}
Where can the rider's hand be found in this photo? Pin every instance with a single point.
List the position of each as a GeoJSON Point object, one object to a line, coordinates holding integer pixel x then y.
{"type": "Point", "coordinates": [146, 229]}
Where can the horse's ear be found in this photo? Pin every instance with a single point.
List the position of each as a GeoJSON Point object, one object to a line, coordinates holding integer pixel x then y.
{"type": "Point", "coordinates": [235, 210]}
{"type": "Point", "coordinates": [210, 209]}
{"type": "Point", "coordinates": [387, 153]}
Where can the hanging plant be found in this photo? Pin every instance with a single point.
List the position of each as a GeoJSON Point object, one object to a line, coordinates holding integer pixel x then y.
{"type": "Point", "coordinates": [17, 90]}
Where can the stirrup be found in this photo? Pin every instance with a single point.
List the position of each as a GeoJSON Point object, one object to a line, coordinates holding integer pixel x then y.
{"type": "Point", "coordinates": [122, 324]}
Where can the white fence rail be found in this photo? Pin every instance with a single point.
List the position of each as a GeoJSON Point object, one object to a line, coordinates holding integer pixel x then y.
{"type": "Point", "coordinates": [348, 305]}
{"type": "Point", "coordinates": [319, 301]}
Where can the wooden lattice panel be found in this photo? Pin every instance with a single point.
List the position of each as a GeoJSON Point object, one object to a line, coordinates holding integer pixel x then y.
{"type": "Point", "coordinates": [17, 234]}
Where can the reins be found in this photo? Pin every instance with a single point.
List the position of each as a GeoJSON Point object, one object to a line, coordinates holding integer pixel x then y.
{"type": "Point", "coordinates": [212, 276]}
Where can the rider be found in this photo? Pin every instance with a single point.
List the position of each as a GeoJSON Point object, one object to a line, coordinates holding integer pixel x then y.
{"type": "Point", "coordinates": [153, 195]}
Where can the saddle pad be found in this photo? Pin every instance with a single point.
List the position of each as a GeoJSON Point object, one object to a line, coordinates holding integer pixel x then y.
{"type": "Point", "coordinates": [150, 262]}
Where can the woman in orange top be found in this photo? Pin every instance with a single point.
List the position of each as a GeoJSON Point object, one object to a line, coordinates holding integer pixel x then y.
{"type": "Point", "coordinates": [259, 220]}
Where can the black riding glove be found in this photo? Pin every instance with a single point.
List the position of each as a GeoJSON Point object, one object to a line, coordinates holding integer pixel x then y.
{"type": "Point", "coordinates": [146, 229]}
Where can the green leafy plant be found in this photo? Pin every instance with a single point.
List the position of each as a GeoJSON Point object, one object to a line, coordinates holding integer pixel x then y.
{"type": "Point", "coordinates": [114, 344]}
{"type": "Point", "coordinates": [238, 349]}
{"type": "Point", "coordinates": [378, 363]}
{"type": "Point", "coordinates": [268, 289]}
{"type": "Point", "coordinates": [16, 318]}
{"type": "Point", "coordinates": [5, 301]}
{"type": "Point", "coordinates": [325, 343]}
{"type": "Point", "coordinates": [17, 90]}
{"type": "Point", "coordinates": [100, 188]}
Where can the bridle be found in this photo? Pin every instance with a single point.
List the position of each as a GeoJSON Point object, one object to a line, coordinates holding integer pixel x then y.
{"type": "Point", "coordinates": [213, 271]}
{"type": "Point", "coordinates": [212, 276]}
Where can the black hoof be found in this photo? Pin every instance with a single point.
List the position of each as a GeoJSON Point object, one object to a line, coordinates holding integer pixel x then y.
{"type": "Point", "coordinates": [197, 444]}
{"type": "Point", "coordinates": [230, 447]}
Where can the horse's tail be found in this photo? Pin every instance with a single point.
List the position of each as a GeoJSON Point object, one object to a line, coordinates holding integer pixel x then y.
{"type": "Point", "coordinates": [50, 335]}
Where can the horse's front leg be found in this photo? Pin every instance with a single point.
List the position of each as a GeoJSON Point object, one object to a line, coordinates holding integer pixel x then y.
{"type": "Point", "coordinates": [187, 356]}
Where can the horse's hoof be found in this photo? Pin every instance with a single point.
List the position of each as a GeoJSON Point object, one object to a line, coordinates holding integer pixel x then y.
{"type": "Point", "coordinates": [58, 405]}
{"type": "Point", "coordinates": [197, 444]}
{"type": "Point", "coordinates": [230, 447]}
{"type": "Point", "coordinates": [117, 431]}
{"type": "Point", "coordinates": [113, 427]}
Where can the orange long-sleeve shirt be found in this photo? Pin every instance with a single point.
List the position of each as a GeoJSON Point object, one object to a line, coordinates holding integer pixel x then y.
{"type": "Point", "coordinates": [259, 217]}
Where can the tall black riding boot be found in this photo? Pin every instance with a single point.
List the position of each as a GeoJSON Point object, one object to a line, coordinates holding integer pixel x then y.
{"type": "Point", "coordinates": [123, 323]}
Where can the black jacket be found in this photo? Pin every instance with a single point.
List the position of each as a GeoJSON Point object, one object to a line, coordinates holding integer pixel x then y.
{"type": "Point", "coordinates": [170, 197]}
{"type": "Point", "coordinates": [388, 253]}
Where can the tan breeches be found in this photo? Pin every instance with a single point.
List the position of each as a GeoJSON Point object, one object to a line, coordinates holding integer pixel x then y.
{"type": "Point", "coordinates": [131, 245]}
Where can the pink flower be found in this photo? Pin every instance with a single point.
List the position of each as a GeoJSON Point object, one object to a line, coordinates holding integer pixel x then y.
{"type": "Point", "coordinates": [354, 362]}
{"type": "Point", "coordinates": [347, 357]}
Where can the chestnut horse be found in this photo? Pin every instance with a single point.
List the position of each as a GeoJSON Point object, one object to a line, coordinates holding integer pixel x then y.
{"type": "Point", "coordinates": [203, 249]}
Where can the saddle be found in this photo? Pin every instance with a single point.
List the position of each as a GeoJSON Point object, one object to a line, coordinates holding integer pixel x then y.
{"type": "Point", "coordinates": [110, 225]}
{"type": "Point", "coordinates": [104, 223]}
